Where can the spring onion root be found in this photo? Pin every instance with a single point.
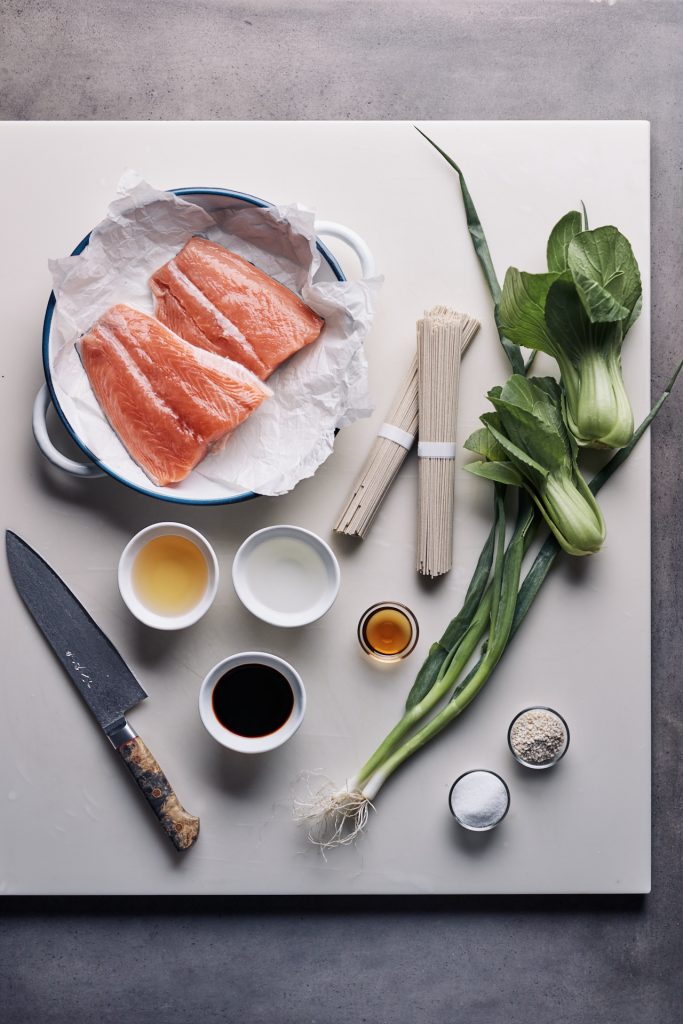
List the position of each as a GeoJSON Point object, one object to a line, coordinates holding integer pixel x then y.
{"type": "Point", "coordinates": [336, 817]}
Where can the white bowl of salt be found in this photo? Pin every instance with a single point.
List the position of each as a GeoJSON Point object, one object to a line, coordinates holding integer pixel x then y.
{"type": "Point", "coordinates": [479, 800]}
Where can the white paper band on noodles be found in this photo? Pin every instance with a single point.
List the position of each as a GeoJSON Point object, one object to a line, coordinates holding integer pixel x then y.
{"type": "Point", "coordinates": [394, 433]}
{"type": "Point", "coordinates": [436, 449]}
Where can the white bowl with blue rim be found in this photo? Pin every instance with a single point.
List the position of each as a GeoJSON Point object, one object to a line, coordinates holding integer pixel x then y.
{"type": "Point", "coordinates": [196, 490]}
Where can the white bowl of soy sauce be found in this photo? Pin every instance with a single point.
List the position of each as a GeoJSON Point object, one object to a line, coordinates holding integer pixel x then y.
{"type": "Point", "coordinates": [252, 702]}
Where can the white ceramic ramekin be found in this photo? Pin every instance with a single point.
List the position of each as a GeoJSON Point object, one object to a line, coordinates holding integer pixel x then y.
{"type": "Point", "coordinates": [129, 595]}
{"type": "Point", "coordinates": [250, 576]}
{"type": "Point", "coordinates": [252, 744]}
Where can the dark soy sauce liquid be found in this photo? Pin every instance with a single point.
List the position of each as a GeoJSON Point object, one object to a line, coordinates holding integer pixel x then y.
{"type": "Point", "coordinates": [252, 700]}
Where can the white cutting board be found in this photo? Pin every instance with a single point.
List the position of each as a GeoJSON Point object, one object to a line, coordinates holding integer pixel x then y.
{"type": "Point", "coordinates": [72, 821]}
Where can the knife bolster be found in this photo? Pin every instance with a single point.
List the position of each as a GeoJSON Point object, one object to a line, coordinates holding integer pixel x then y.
{"type": "Point", "coordinates": [120, 732]}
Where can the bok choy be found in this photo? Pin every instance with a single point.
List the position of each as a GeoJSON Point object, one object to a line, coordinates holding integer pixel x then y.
{"type": "Point", "coordinates": [579, 313]}
{"type": "Point", "coordinates": [526, 443]}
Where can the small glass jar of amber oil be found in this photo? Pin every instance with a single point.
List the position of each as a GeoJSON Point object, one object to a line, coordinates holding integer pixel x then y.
{"type": "Point", "coordinates": [388, 631]}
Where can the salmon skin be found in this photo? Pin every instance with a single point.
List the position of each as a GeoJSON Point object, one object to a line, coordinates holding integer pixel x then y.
{"type": "Point", "coordinates": [215, 299]}
{"type": "Point", "coordinates": [168, 401]}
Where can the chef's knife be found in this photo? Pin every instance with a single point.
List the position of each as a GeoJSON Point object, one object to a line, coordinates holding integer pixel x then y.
{"type": "Point", "coordinates": [101, 677]}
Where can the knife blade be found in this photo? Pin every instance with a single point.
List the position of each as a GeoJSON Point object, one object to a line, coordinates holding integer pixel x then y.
{"type": "Point", "coordinates": [100, 675]}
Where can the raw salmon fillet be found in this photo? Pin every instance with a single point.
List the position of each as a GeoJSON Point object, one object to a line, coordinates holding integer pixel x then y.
{"type": "Point", "coordinates": [215, 299]}
{"type": "Point", "coordinates": [168, 401]}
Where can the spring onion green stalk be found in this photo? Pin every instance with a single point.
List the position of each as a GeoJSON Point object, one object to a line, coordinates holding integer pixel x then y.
{"type": "Point", "coordinates": [467, 632]}
{"type": "Point", "coordinates": [481, 249]}
{"type": "Point", "coordinates": [579, 313]}
{"type": "Point", "coordinates": [526, 443]}
{"type": "Point", "coordinates": [433, 667]}
{"type": "Point", "coordinates": [504, 597]}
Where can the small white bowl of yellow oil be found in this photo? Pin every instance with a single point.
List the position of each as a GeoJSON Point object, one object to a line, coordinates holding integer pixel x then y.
{"type": "Point", "coordinates": [168, 575]}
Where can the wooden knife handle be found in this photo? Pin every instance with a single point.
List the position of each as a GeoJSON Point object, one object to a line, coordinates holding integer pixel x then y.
{"type": "Point", "coordinates": [182, 828]}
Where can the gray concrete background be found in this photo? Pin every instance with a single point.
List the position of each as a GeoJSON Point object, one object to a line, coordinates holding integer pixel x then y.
{"type": "Point", "coordinates": [478, 961]}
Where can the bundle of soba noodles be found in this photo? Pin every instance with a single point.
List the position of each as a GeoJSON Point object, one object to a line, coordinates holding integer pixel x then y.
{"type": "Point", "coordinates": [440, 337]}
{"type": "Point", "coordinates": [393, 442]}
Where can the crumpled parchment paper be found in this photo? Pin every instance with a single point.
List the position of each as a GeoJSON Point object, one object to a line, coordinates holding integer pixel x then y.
{"type": "Point", "coordinates": [322, 387]}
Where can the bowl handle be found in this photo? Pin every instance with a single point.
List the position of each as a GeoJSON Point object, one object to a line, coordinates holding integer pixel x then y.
{"type": "Point", "coordinates": [353, 240]}
{"type": "Point", "coordinates": [40, 407]}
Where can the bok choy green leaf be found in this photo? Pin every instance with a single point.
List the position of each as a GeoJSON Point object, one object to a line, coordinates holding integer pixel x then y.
{"type": "Point", "coordinates": [579, 313]}
{"type": "Point", "coordinates": [526, 442]}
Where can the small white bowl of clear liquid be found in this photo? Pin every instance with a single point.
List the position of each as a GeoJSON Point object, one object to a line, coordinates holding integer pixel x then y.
{"type": "Point", "coordinates": [286, 575]}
